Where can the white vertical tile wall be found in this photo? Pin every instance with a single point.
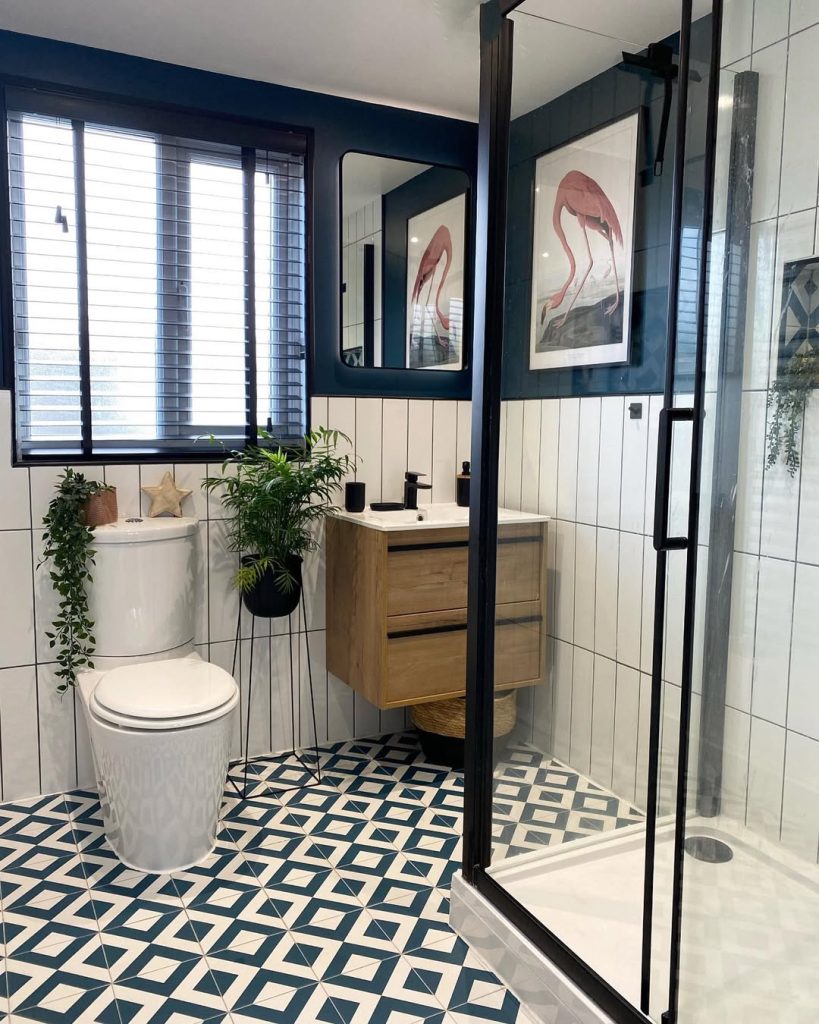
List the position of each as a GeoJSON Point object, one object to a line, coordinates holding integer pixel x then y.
{"type": "Point", "coordinates": [43, 741]}
{"type": "Point", "coordinates": [771, 759]}
{"type": "Point", "coordinates": [586, 462]}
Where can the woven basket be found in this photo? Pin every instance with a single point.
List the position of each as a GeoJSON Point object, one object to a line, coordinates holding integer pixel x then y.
{"type": "Point", "coordinates": [448, 717]}
{"type": "Point", "coordinates": [101, 508]}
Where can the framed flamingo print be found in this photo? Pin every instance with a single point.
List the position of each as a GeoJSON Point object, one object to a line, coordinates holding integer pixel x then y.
{"type": "Point", "coordinates": [435, 286]}
{"type": "Point", "coordinates": [583, 247]}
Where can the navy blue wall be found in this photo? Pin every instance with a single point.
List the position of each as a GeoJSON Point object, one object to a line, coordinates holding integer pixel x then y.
{"type": "Point", "coordinates": [602, 99]}
{"type": "Point", "coordinates": [336, 125]}
{"type": "Point", "coordinates": [610, 95]}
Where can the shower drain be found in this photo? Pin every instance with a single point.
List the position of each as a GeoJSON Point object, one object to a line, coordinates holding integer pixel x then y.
{"type": "Point", "coordinates": [712, 851]}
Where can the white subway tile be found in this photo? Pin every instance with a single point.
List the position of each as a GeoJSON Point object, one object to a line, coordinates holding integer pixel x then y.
{"type": "Point", "coordinates": [770, 65]}
{"type": "Point", "coordinates": [15, 513]}
{"type": "Point", "coordinates": [341, 416]}
{"type": "Point", "coordinates": [281, 697]}
{"type": "Point", "coordinates": [340, 713]}
{"type": "Point", "coordinates": [224, 600]}
{"type": "Point", "coordinates": [762, 298]}
{"type": "Point", "coordinates": [394, 451]}
{"type": "Point", "coordinates": [773, 639]}
{"type": "Point", "coordinates": [669, 748]}
{"type": "Point", "coordinates": [444, 443]}
{"type": "Point", "coordinates": [635, 450]}
{"type": "Point", "coordinates": [18, 732]}
{"type": "Point", "coordinates": [800, 798]}
{"type": "Point", "coordinates": [43, 482]}
{"type": "Point", "coordinates": [736, 740]}
{"type": "Point", "coordinates": [419, 449]}
{"type": "Point", "coordinates": [585, 585]}
{"type": "Point", "coordinates": [766, 762]}
{"type": "Point", "coordinates": [317, 667]}
{"type": "Point", "coordinates": [366, 717]}
{"type": "Point", "coordinates": [549, 440]}
{"type": "Point", "coordinates": [514, 444]}
{"type": "Point", "coordinates": [643, 731]}
{"type": "Point", "coordinates": [741, 632]}
{"type": "Point", "coordinates": [126, 481]}
{"type": "Point", "coordinates": [611, 458]}
{"type": "Point", "coordinates": [770, 21]}
{"type": "Point", "coordinates": [368, 428]}
{"type": "Point", "coordinates": [603, 708]}
{"type": "Point", "coordinates": [318, 411]}
{"type": "Point", "coordinates": [649, 589]}
{"type": "Point", "coordinates": [463, 451]}
{"type": "Point", "coordinates": [751, 472]}
{"type": "Point", "coordinates": [567, 458]}
{"type": "Point", "coordinates": [674, 616]}
{"type": "Point", "coordinates": [655, 405]}
{"type": "Point", "coordinates": [804, 13]}
{"type": "Point", "coordinates": [562, 681]}
{"type": "Point", "coordinates": [58, 760]}
{"type": "Point", "coordinates": [564, 535]}
{"type": "Point", "coordinates": [582, 690]}
{"type": "Point", "coordinates": [626, 721]}
{"type": "Point", "coordinates": [314, 579]}
{"type": "Point", "coordinates": [188, 475]}
{"type": "Point", "coordinates": [588, 460]}
{"type": "Point", "coordinates": [629, 600]}
{"type": "Point", "coordinates": [808, 545]}
{"type": "Point", "coordinates": [803, 706]}
{"type": "Point", "coordinates": [737, 26]}
{"type": "Point", "coordinates": [530, 456]}
{"type": "Point", "coordinates": [16, 599]}
{"type": "Point", "coordinates": [606, 610]}
{"type": "Point", "coordinates": [800, 148]}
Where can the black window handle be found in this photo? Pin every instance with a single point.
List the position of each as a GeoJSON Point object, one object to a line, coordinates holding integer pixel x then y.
{"type": "Point", "coordinates": [662, 491]}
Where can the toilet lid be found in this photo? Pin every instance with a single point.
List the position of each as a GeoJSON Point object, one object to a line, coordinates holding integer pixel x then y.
{"type": "Point", "coordinates": [163, 690]}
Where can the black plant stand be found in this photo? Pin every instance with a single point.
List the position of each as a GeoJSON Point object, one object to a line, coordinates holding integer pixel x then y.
{"type": "Point", "coordinates": [314, 770]}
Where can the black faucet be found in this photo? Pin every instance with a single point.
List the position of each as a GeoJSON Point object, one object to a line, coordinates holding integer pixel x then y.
{"type": "Point", "coordinates": [411, 488]}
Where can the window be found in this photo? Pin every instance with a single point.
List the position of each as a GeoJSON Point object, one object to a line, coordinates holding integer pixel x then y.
{"type": "Point", "coordinates": [158, 280]}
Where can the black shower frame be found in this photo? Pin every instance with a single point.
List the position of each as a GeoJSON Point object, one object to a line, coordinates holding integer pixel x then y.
{"type": "Point", "coordinates": [488, 320]}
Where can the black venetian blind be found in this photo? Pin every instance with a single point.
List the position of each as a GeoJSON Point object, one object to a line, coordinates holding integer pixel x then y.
{"type": "Point", "coordinates": [158, 281]}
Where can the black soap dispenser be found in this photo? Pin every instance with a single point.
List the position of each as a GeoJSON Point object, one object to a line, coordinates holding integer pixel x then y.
{"type": "Point", "coordinates": [462, 486]}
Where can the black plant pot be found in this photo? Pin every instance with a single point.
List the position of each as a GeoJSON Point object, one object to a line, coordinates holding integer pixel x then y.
{"type": "Point", "coordinates": [266, 599]}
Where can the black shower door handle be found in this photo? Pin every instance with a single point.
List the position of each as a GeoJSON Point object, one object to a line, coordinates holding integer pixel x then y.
{"type": "Point", "coordinates": [668, 417]}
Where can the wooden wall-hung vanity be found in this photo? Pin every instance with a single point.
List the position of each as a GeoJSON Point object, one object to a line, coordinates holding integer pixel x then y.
{"type": "Point", "coordinates": [396, 603]}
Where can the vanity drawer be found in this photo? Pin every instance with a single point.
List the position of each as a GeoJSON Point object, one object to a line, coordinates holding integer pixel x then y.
{"type": "Point", "coordinates": [431, 574]}
{"type": "Point", "coordinates": [429, 664]}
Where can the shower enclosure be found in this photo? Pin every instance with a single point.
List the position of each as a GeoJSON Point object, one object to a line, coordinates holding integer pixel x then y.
{"type": "Point", "coordinates": [650, 310]}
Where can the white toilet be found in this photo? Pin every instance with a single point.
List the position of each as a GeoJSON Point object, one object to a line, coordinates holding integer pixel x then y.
{"type": "Point", "coordinates": [159, 717]}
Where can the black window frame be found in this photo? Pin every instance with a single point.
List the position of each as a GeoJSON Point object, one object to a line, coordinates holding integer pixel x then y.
{"type": "Point", "coordinates": [171, 124]}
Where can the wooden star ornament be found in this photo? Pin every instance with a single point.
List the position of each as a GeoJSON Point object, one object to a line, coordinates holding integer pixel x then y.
{"type": "Point", "coordinates": [166, 497]}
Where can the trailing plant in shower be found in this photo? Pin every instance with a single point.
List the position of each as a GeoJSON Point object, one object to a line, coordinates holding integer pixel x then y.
{"type": "Point", "coordinates": [789, 398]}
{"type": "Point", "coordinates": [273, 498]}
{"type": "Point", "coordinates": [68, 547]}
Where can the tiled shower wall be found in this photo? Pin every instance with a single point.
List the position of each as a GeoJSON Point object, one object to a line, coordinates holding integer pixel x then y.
{"type": "Point", "coordinates": [43, 741]}
{"type": "Point", "coordinates": [363, 227]}
{"type": "Point", "coordinates": [771, 762]}
{"type": "Point", "coordinates": [589, 463]}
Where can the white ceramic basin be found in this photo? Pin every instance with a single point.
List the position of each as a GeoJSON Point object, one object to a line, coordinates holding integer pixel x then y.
{"type": "Point", "coordinates": [430, 517]}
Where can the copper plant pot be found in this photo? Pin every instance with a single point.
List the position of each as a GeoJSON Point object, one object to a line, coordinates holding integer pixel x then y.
{"type": "Point", "coordinates": [101, 508]}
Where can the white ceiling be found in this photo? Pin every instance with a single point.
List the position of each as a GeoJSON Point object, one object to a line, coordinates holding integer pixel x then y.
{"type": "Point", "coordinates": [365, 177]}
{"type": "Point", "coordinates": [421, 54]}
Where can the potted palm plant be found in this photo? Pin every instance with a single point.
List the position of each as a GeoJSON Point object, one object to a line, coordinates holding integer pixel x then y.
{"type": "Point", "coordinates": [274, 498]}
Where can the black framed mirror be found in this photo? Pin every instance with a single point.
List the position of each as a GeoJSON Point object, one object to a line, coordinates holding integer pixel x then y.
{"type": "Point", "coordinates": [405, 288]}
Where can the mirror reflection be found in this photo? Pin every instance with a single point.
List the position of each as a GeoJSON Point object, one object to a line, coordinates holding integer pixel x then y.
{"type": "Point", "coordinates": [403, 264]}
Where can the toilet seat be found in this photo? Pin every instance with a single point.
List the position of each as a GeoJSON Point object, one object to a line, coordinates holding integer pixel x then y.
{"type": "Point", "coordinates": [175, 693]}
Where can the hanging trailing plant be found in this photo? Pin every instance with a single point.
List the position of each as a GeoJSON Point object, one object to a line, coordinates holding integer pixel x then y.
{"type": "Point", "coordinates": [68, 547]}
{"type": "Point", "coordinates": [789, 398]}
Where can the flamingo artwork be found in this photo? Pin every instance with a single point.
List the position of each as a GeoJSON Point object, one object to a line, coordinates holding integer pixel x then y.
{"type": "Point", "coordinates": [439, 247]}
{"type": "Point", "coordinates": [584, 199]}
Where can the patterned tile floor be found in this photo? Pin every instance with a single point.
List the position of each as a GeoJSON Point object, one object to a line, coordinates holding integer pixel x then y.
{"type": "Point", "coordinates": [323, 904]}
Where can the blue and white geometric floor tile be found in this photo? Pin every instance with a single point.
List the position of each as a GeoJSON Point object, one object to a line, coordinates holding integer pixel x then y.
{"type": "Point", "coordinates": [328, 904]}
